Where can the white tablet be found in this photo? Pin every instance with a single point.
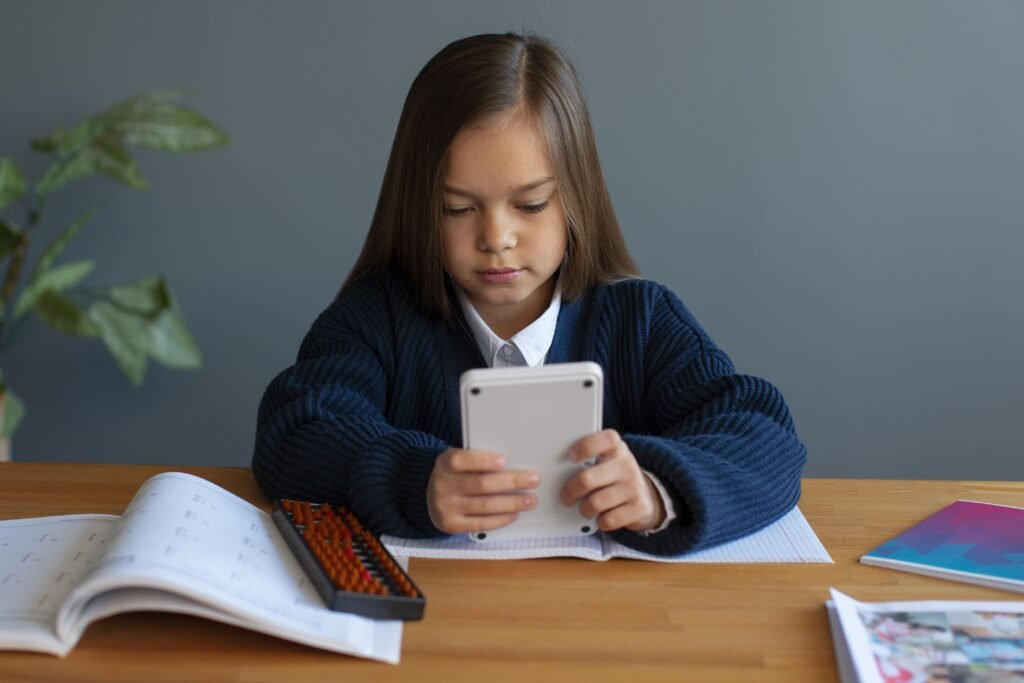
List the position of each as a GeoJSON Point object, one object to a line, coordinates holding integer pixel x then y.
{"type": "Point", "coordinates": [532, 416]}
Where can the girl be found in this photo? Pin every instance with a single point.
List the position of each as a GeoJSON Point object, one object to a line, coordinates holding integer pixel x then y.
{"type": "Point", "coordinates": [494, 243]}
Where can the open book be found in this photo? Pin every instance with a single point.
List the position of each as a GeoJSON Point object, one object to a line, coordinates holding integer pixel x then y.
{"type": "Point", "coordinates": [790, 539]}
{"type": "Point", "coordinates": [183, 545]}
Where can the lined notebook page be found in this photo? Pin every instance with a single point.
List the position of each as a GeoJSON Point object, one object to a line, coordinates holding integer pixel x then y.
{"type": "Point", "coordinates": [790, 539]}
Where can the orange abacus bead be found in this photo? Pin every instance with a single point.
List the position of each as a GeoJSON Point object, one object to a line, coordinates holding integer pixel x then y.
{"type": "Point", "coordinates": [351, 556]}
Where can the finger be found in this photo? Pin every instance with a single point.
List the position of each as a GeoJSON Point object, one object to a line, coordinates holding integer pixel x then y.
{"type": "Point", "coordinates": [603, 500]}
{"type": "Point", "coordinates": [476, 484]}
{"type": "Point", "coordinates": [488, 522]}
{"type": "Point", "coordinates": [498, 505]}
{"type": "Point", "coordinates": [450, 517]}
{"type": "Point", "coordinates": [589, 480]}
{"type": "Point", "coordinates": [607, 441]}
{"type": "Point", "coordinates": [630, 514]}
{"type": "Point", "coordinates": [636, 515]}
{"type": "Point", "coordinates": [464, 460]}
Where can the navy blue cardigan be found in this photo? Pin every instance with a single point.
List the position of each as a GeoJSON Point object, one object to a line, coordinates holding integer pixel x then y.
{"type": "Point", "coordinates": [373, 400]}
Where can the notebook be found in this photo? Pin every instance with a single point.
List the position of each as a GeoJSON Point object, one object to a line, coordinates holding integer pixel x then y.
{"type": "Point", "coordinates": [789, 539]}
{"type": "Point", "coordinates": [967, 541]}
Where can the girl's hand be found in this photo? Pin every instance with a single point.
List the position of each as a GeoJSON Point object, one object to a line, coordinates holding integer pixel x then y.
{"type": "Point", "coordinates": [468, 491]}
{"type": "Point", "coordinates": [614, 489]}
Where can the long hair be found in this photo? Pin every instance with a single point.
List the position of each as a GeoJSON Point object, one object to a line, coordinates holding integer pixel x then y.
{"type": "Point", "coordinates": [469, 81]}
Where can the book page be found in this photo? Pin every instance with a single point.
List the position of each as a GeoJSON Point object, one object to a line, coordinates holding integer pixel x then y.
{"type": "Point", "coordinates": [41, 561]}
{"type": "Point", "coordinates": [790, 539]}
{"type": "Point", "coordinates": [188, 537]}
{"type": "Point", "coordinates": [844, 658]}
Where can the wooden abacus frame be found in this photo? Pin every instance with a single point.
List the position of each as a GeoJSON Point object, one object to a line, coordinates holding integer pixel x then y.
{"type": "Point", "coordinates": [346, 562]}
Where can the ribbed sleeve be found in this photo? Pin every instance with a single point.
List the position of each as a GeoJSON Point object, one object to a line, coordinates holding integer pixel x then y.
{"type": "Point", "coordinates": [723, 443]}
{"type": "Point", "coordinates": [322, 433]}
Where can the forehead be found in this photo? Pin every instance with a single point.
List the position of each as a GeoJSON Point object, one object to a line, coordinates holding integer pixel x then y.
{"type": "Point", "coordinates": [498, 154]}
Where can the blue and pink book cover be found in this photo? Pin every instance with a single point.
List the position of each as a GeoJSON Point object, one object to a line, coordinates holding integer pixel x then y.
{"type": "Point", "coordinates": [967, 540]}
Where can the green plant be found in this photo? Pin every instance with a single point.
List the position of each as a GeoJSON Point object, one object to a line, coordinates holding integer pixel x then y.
{"type": "Point", "coordinates": [135, 320]}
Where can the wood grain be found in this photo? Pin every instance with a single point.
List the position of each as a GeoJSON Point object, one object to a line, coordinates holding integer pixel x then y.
{"type": "Point", "coordinates": [532, 620]}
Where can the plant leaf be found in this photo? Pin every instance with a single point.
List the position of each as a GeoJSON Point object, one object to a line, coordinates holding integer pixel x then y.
{"type": "Point", "coordinates": [166, 126]}
{"type": "Point", "coordinates": [54, 248]}
{"type": "Point", "coordinates": [98, 143]}
{"type": "Point", "coordinates": [112, 159]}
{"type": "Point", "coordinates": [60, 313]}
{"type": "Point", "coordinates": [148, 296]}
{"type": "Point", "coordinates": [12, 181]}
{"type": "Point", "coordinates": [64, 172]}
{"type": "Point", "coordinates": [13, 412]}
{"type": "Point", "coordinates": [125, 336]}
{"type": "Point", "coordinates": [88, 148]}
{"type": "Point", "coordinates": [170, 342]}
{"type": "Point", "coordinates": [62, 141]}
{"type": "Point", "coordinates": [56, 279]}
{"type": "Point", "coordinates": [10, 235]}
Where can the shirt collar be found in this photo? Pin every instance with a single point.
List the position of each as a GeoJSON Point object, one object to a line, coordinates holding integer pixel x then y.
{"type": "Point", "coordinates": [533, 341]}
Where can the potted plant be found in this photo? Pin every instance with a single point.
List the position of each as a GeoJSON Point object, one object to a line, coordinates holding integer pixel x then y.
{"type": "Point", "coordinates": [136, 320]}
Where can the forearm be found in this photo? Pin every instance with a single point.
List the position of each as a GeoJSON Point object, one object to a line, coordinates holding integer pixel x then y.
{"type": "Point", "coordinates": [322, 435]}
{"type": "Point", "coordinates": [379, 471]}
{"type": "Point", "coordinates": [725, 447]}
{"type": "Point", "coordinates": [725, 485]}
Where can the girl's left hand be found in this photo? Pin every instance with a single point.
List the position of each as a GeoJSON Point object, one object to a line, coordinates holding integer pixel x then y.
{"type": "Point", "coordinates": [614, 489]}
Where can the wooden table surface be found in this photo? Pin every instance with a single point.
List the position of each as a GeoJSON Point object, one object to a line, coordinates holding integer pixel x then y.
{"type": "Point", "coordinates": [530, 620]}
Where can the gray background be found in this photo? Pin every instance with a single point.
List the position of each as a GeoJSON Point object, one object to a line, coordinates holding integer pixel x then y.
{"type": "Point", "coordinates": [835, 189]}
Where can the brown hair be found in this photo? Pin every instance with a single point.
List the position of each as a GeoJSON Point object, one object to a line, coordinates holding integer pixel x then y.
{"type": "Point", "coordinates": [471, 80]}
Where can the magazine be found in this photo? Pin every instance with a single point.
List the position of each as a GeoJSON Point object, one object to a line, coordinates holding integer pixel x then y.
{"type": "Point", "coordinates": [967, 541]}
{"type": "Point", "coordinates": [931, 641]}
{"type": "Point", "coordinates": [182, 545]}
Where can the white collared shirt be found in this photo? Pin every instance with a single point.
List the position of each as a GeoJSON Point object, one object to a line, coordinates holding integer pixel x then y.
{"type": "Point", "coordinates": [529, 347]}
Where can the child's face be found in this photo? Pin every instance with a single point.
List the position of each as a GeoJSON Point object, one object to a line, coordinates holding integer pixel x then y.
{"type": "Point", "coordinates": [504, 230]}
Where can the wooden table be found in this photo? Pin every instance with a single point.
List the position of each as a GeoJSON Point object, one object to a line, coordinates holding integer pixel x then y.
{"type": "Point", "coordinates": [527, 621]}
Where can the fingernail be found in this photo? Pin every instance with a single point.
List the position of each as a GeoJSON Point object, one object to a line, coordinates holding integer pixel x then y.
{"type": "Point", "coordinates": [533, 479]}
{"type": "Point", "coordinates": [499, 461]}
{"type": "Point", "coordinates": [528, 501]}
{"type": "Point", "coordinates": [573, 455]}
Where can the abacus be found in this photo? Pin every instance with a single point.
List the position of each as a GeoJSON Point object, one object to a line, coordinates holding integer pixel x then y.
{"type": "Point", "coordinates": [348, 565]}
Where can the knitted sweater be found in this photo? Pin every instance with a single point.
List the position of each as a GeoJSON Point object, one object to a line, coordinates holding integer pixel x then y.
{"type": "Point", "coordinates": [373, 400]}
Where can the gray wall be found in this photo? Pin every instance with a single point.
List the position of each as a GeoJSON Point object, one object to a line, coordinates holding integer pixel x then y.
{"type": "Point", "coordinates": [835, 189]}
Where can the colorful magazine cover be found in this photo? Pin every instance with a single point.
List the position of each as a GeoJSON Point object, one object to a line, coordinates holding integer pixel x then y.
{"type": "Point", "coordinates": [928, 642]}
{"type": "Point", "coordinates": [967, 541]}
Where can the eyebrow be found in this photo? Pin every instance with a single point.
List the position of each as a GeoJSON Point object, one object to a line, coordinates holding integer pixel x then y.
{"type": "Point", "coordinates": [522, 188]}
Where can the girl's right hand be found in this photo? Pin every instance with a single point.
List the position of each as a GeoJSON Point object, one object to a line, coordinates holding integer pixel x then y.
{"type": "Point", "coordinates": [468, 491]}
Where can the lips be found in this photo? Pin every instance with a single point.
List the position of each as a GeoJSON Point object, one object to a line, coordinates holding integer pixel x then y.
{"type": "Point", "coordinates": [500, 275]}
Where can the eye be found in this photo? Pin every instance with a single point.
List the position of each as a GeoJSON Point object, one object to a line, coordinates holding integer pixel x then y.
{"type": "Point", "coordinates": [455, 213]}
{"type": "Point", "coordinates": [535, 208]}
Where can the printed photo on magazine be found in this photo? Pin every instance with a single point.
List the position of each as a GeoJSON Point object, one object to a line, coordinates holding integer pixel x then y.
{"type": "Point", "coordinates": [928, 641]}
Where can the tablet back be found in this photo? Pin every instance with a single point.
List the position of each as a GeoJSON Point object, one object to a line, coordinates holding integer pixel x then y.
{"type": "Point", "coordinates": [532, 416]}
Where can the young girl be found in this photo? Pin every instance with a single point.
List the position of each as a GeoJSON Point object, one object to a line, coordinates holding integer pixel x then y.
{"type": "Point", "coordinates": [494, 243]}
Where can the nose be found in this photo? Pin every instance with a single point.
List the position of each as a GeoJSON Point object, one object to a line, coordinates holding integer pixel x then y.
{"type": "Point", "coordinates": [496, 232]}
